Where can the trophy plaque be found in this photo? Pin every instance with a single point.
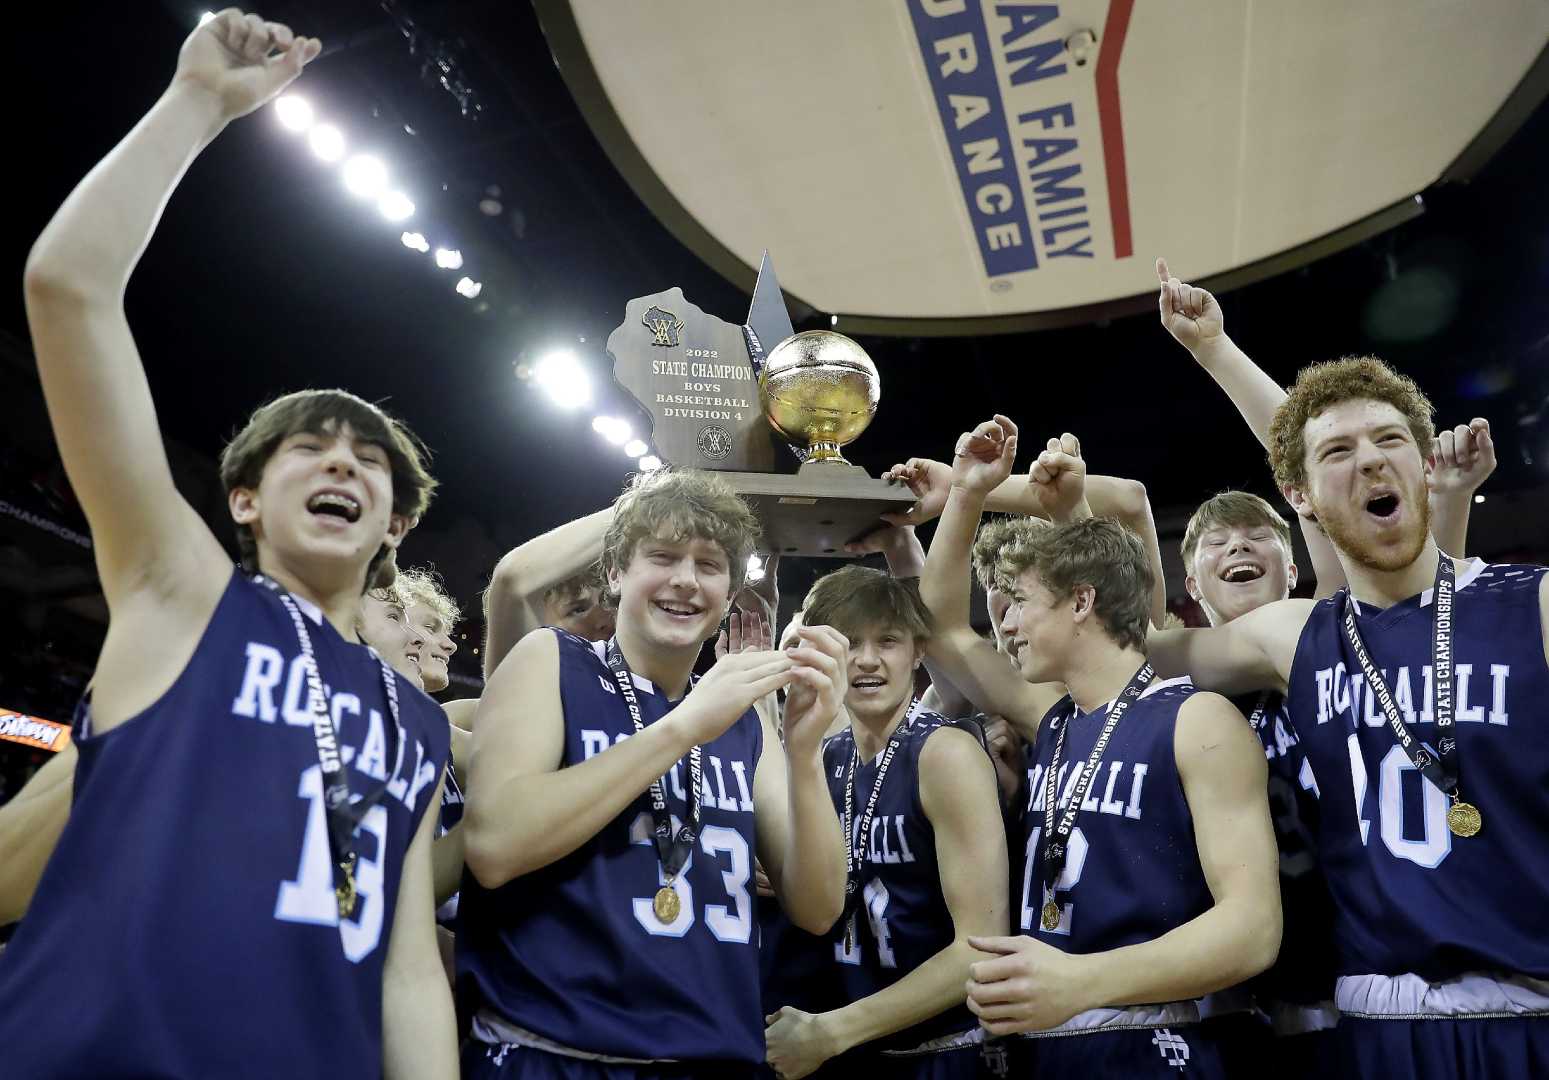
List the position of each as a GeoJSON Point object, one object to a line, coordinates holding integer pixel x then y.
{"type": "Point", "coordinates": [747, 400]}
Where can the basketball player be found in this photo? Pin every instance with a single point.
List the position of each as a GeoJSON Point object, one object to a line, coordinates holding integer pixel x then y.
{"type": "Point", "coordinates": [630, 937]}
{"type": "Point", "coordinates": [430, 610]}
{"type": "Point", "coordinates": [1413, 694]}
{"type": "Point", "coordinates": [394, 621]}
{"type": "Point", "coordinates": [918, 798]}
{"type": "Point", "coordinates": [1464, 456]}
{"type": "Point", "coordinates": [1157, 885]}
{"type": "Point", "coordinates": [209, 748]}
{"type": "Point", "coordinates": [1237, 557]}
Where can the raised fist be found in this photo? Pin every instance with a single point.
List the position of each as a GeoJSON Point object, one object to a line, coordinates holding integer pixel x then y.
{"type": "Point", "coordinates": [242, 61]}
{"type": "Point", "coordinates": [1059, 478]}
{"type": "Point", "coordinates": [1462, 458]}
{"type": "Point", "coordinates": [984, 456]}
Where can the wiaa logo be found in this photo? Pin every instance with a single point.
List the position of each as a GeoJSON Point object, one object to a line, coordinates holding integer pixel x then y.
{"type": "Point", "coordinates": [664, 326]}
{"type": "Point", "coordinates": [714, 442]}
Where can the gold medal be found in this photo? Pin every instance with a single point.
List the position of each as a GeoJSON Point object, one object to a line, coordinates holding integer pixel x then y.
{"type": "Point", "coordinates": [666, 905]}
{"type": "Point", "coordinates": [1463, 818]}
{"type": "Point", "coordinates": [345, 893]}
{"type": "Point", "coordinates": [1051, 915]}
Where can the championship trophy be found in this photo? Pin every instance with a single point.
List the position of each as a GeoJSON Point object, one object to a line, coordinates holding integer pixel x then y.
{"type": "Point", "coordinates": [718, 400]}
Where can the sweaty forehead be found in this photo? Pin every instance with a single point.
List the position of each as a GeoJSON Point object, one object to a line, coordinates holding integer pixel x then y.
{"type": "Point", "coordinates": [1351, 417]}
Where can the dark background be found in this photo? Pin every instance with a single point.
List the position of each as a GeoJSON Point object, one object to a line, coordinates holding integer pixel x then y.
{"type": "Point", "coordinates": [265, 276]}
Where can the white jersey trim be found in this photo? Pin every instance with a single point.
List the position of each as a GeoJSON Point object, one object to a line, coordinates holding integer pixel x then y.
{"type": "Point", "coordinates": [1409, 997]}
{"type": "Point", "coordinates": [1472, 568]}
{"type": "Point", "coordinates": [1097, 1021]}
{"type": "Point", "coordinates": [1287, 1019]}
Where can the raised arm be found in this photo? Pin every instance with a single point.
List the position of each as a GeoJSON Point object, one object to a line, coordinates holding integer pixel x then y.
{"type": "Point", "coordinates": [1033, 986]}
{"type": "Point", "coordinates": [958, 795]}
{"type": "Point", "coordinates": [1106, 496]}
{"type": "Point", "coordinates": [800, 841]}
{"type": "Point", "coordinates": [524, 811]}
{"type": "Point", "coordinates": [144, 533]}
{"type": "Point", "coordinates": [513, 605]}
{"type": "Point", "coordinates": [984, 459]}
{"type": "Point", "coordinates": [1193, 317]}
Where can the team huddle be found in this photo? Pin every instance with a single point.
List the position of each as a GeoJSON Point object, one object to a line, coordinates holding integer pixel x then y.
{"type": "Point", "coordinates": [871, 842]}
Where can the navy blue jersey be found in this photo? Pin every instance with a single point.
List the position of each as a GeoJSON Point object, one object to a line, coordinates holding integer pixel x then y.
{"type": "Point", "coordinates": [1132, 872]}
{"type": "Point", "coordinates": [186, 925]}
{"type": "Point", "coordinates": [903, 919]}
{"type": "Point", "coordinates": [795, 967]}
{"type": "Point", "coordinates": [451, 814]}
{"type": "Point", "coordinates": [1409, 896]}
{"type": "Point", "coordinates": [1303, 973]}
{"type": "Point", "coordinates": [574, 953]}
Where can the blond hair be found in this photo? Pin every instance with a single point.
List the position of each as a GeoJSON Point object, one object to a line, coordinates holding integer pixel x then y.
{"type": "Point", "coordinates": [1321, 386]}
{"type": "Point", "coordinates": [422, 585]}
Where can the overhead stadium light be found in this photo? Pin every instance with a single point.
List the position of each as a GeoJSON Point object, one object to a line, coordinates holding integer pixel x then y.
{"type": "Point", "coordinates": [396, 206]}
{"type": "Point", "coordinates": [469, 288]}
{"type": "Point", "coordinates": [415, 242]}
{"type": "Point", "coordinates": [327, 142]}
{"type": "Point", "coordinates": [613, 429]}
{"type": "Point", "coordinates": [649, 463]}
{"type": "Point", "coordinates": [564, 379]}
{"type": "Point", "coordinates": [449, 258]}
{"type": "Point", "coordinates": [294, 112]}
{"type": "Point", "coordinates": [365, 176]}
{"type": "Point", "coordinates": [635, 448]}
{"type": "Point", "coordinates": [755, 568]}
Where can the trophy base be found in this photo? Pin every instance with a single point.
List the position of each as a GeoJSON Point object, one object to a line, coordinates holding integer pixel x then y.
{"type": "Point", "coordinates": [819, 509]}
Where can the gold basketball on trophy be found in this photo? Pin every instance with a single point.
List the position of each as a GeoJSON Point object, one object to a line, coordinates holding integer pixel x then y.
{"type": "Point", "coordinates": [819, 390]}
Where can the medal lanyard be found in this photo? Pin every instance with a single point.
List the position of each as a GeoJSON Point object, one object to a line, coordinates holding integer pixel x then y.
{"type": "Point", "coordinates": [855, 857]}
{"type": "Point", "coordinates": [1056, 837]}
{"type": "Point", "coordinates": [343, 815]}
{"type": "Point", "coordinates": [672, 851]}
{"type": "Point", "coordinates": [1442, 765]}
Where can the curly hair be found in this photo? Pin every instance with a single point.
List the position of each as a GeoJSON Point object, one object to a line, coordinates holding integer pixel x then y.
{"type": "Point", "coordinates": [1322, 386]}
{"type": "Point", "coordinates": [992, 535]}
{"type": "Point", "coordinates": [688, 504]}
{"type": "Point", "coordinates": [418, 585]}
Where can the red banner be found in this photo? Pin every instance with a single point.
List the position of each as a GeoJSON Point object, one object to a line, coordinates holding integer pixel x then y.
{"type": "Point", "coordinates": [32, 731]}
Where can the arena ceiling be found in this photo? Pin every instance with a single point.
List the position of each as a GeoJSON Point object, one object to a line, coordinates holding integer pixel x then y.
{"type": "Point", "coordinates": [265, 276]}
